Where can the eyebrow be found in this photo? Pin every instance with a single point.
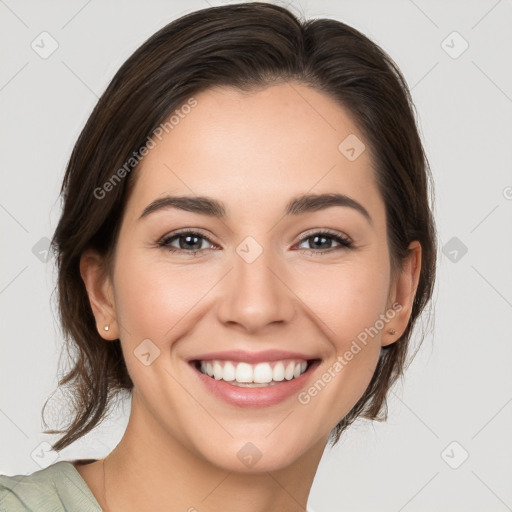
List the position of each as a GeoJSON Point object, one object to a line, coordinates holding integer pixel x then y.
{"type": "Point", "coordinates": [213, 208]}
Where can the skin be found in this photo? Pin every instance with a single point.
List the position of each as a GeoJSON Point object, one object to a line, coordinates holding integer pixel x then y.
{"type": "Point", "coordinates": [180, 447]}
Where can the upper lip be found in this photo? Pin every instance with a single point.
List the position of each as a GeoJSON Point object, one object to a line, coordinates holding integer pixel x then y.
{"type": "Point", "coordinates": [251, 357]}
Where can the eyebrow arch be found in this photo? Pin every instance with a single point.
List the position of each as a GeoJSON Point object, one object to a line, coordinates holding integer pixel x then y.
{"type": "Point", "coordinates": [298, 205]}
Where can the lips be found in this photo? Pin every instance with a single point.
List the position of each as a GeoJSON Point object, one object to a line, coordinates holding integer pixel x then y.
{"type": "Point", "coordinates": [252, 357]}
{"type": "Point", "coordinates": [254, 378]}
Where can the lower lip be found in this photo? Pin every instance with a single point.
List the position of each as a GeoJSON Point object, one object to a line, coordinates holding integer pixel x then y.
{"type": "Point", "coordinates": [255, 397]}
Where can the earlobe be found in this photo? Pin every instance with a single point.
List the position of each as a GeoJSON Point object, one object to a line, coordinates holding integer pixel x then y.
{"type": "Point", "coordinates": [99, 291]}
{"type": "Point", "coordinates": [402, 294]}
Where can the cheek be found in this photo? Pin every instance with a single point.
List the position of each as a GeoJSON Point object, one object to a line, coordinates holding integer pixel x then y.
{"type": "Point", "coordinates": [155, 302]}
{"type": "Point", "coordinates": [153, 297]}
{"type": "Point", "coordinates": [347, 299]}
{"type": "Point", "coordinates": [350, 304]}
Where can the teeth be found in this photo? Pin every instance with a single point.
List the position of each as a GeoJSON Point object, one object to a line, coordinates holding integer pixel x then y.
{"type": "Point", "coordinates": [288, 373]}
{"type": "Point", "coordinates": [217, 370]}
{"type": "Point", "coordinates": [243, 372]}
{"type": "Point", "coordinates": [262, 373]}
{"type": "Point", "coordinates": [258, 375]}
{"type": "Point", "coordinates": [278, 372]}
{"type": "Point", "coordinates": [229, 372]}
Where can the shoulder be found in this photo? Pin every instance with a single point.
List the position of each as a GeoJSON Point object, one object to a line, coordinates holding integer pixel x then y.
{"type": "Point", "coordinates": [57, 488]}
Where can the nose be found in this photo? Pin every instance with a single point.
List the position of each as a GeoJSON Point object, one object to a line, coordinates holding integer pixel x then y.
{"type": "Point", "coordinates": [255, 295]}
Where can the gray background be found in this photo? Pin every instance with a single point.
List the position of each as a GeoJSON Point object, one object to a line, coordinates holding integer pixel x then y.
{"type": "Point", "coordinates": [455, 400]}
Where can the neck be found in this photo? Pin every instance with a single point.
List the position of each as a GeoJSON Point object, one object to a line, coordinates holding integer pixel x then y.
{"type": "Point", "coordinates": [150, 470]}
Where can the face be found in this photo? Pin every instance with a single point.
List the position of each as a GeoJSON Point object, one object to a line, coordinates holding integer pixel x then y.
{"type": "Point", "coordinates": [259, 293]}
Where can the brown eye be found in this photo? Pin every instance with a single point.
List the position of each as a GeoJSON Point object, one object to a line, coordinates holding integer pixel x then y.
{"type": "Point", "coordinates": [188, 242]}
{"type": "Point", "coordinates": [323, 239]}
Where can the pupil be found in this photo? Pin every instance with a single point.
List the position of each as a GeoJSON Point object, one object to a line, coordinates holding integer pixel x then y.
{"type": "Point", "coordinates": [317, 237]}
{"type": "Point", "coordinates": [188, 238]}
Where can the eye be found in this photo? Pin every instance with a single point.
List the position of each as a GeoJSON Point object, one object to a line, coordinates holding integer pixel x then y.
{"type": "Point", "coordinates": [325, 238]}
{"type": "Point", "coordinates": [189, 242]}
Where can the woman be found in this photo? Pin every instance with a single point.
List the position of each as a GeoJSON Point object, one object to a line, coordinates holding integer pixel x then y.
{"type": "Point", "coordinates": [245, 244]}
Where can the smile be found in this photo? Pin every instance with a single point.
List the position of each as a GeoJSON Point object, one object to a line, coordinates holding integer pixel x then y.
{"type": "Point", "coordinates": [254, 379]}
{"type": "Point", "coordinates": [245, 374]}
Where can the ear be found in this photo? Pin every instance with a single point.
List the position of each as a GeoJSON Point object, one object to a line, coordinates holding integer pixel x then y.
{"type": "Point", "coordinates": [100, 292]}
{"type": "Point", "coordinates": [402, 293]}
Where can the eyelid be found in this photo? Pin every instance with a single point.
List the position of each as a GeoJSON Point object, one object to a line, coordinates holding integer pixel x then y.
{"type": "Point", "coordinates": [326, 231]}
{"type": "Point", "coordinates": [185, 231]}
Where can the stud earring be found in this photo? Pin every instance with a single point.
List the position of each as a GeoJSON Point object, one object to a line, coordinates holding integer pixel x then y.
{"type": "Point", "coordinates": [392, 331]}
{"type": "Point", "coordinates": [106, 328]}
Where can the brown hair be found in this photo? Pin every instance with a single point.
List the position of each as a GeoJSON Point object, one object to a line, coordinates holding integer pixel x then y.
{"type": "Point", "coordinates": [245, 46]}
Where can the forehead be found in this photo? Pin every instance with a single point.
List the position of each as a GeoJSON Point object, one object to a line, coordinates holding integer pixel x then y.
{"type": "Point", "coordinates": [258, 148]}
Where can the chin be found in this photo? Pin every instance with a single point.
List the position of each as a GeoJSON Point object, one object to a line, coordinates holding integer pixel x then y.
{"type": "Point", "coordinates": [257, 454]}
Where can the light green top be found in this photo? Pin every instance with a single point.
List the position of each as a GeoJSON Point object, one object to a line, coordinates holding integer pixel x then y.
{"type": "Point", "coordinates": [57, 488]}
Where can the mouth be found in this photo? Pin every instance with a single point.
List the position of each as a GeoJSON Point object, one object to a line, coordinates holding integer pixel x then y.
{"type": "Point", "coordinates": [254, 379]}
{"type": "Point", "coordinates": [254, 375]}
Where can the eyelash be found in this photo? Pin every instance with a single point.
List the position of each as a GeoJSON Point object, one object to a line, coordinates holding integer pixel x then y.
{"type": "Point", "coordinates": [345, 242]}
